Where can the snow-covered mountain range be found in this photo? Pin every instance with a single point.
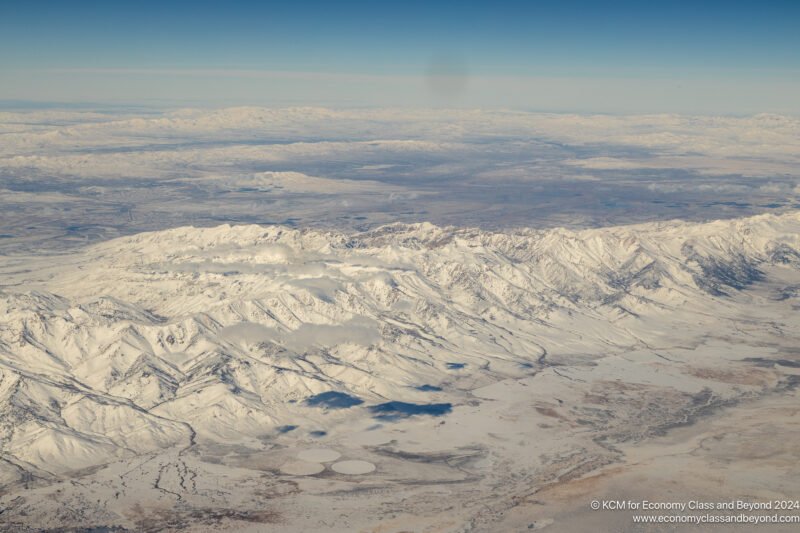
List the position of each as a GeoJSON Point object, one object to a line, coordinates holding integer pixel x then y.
{"type": "Point", "coordinates": [229, 334]}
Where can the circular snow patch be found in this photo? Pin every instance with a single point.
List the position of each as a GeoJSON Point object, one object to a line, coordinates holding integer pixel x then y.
{"type": "Point", "coordinates": [319, 455]}
{"type": "Point", "coordinates": [302, 468]}
{"type": "Point", "coordinates": [353, 467]}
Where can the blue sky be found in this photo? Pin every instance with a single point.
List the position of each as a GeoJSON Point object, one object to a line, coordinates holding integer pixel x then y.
{"type": "Point", "coordinates": [568, 55]}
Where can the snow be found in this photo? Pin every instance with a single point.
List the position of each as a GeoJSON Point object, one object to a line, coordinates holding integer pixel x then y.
{"type": "Point", "coordinates": [319, 455]}
{"type": "Point", "coordinates": [302, 468]}
{"type": "Point", "coordinates": [353, 467]}
{"type": "Point", "coordinates": [162, 357]}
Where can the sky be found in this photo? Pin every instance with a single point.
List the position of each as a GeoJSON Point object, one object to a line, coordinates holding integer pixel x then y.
{"type": "Point", "coordinates": [617, 57]}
